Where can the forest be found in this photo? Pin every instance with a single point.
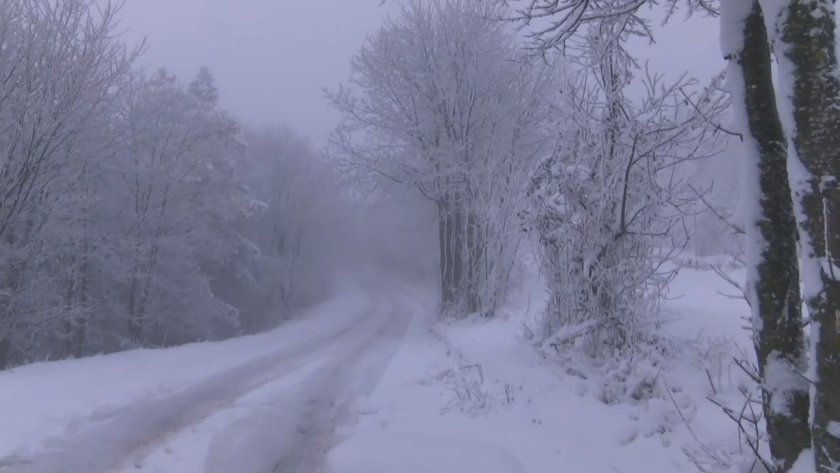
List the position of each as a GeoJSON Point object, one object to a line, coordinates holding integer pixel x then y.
{"type": "Point", "coordinates": [476, 139]}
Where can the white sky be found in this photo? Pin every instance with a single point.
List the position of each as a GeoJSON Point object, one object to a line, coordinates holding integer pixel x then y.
{"type": "Point", "coordinates": [272, 58]}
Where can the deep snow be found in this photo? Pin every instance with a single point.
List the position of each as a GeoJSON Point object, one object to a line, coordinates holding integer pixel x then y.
{"type": "Point", "coordinates": [262, 403]}
{"type": "Point", "coordinates": [369, 383]}
{"type": "Point", "coordinates": [477, 396]}
{"type": "Point", "coordinates": [46, 400]}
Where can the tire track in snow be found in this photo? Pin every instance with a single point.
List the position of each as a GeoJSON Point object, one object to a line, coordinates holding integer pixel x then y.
{"type": "Point", "coordinates": [295, 437]}
{"type": "Point", "coordinates": [106, 444]}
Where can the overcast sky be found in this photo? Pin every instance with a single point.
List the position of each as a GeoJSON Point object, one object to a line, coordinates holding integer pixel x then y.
{"type": "Point", "coordinates": [272, 58]}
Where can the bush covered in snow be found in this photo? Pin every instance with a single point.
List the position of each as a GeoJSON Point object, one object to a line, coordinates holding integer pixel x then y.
{"type": "Point", "coordinates": [608, 205]}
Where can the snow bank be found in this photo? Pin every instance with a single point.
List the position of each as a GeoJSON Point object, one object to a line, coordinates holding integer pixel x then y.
{"type": "Point", "coordinates": [477, 396]}
{"type": "Point", "coordinates": [45, 400]}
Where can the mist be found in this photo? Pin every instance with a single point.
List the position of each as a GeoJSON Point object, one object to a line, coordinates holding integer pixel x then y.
{"type": "Point", "coordinates": [417, 236]}
{"type": "Point", "coordinates": [271, 58]}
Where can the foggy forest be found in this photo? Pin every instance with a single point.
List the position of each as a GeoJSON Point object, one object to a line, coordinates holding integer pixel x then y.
{"type": "Point", "coordinates": [419, 236]}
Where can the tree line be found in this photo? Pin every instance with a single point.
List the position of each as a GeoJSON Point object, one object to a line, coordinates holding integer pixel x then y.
{"type": "Point", "coordinates": [134, 211]}
{"type": "Point", "coordinates": [517, 116]}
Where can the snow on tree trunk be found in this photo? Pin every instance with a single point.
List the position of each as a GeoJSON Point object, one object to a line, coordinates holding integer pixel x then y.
{"type": "Point", "coordinates": [61, 66]}
{"type": "Point", "coordinates": [803, 35]}
{"type": "Point", "coordinates": [773, 274]}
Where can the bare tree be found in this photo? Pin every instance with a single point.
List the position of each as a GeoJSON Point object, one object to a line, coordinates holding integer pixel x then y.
{"type": "Point", "coordinates": [59, 67]}
{"type": "Point", "coordinates": [442, 101]}
{"type": "Point", "coordinates": [299, 198]}
{"type": "Point", "coordinates": [550, 24]}
{"type": "Point", "coordinates": [127, 202]}
{"type": "Point", "coordinates": [179, 184]}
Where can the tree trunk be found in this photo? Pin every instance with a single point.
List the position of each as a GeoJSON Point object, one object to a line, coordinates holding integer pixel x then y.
{"type": "Point", "coordinates": [80, 335]}
{"type": "Point", "coordinates": [5, 353]}
{"type": "Point", "coordinates": [459, 291]}
{"type": "Point", "coordinates": [135, 321]}
{"type": "Point", "coordinates": [773, 277]}
{"type": "Point", "coordinates": [805, 43]}
{"type": "Point", "coordinates": [448, 280]}
{"type": "Point", "coordinates": [444, 286]}
{"type": "Point", "coordinates": [456, 243]}
{"type": "Point", "coordinates": [473, 259]}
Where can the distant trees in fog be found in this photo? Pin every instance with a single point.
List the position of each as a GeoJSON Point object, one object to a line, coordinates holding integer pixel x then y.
{"type": "Point", "coordinates": [785, 93]}
{"type": "Point", "coordinates": [133, 210]}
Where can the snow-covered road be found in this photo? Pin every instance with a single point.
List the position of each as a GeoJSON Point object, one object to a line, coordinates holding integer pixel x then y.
{"type": "Point", "coordinates": [271, 409]}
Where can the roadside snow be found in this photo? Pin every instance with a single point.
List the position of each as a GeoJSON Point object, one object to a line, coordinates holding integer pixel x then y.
{"type": "Point", "coordinates": [242, 437]}
{"type": "Point", "coordinates": [46, 400]}
{"type": "Point", "coordinates": [834, 429]}
{"type": "Point", "coordinates": [477, 396]}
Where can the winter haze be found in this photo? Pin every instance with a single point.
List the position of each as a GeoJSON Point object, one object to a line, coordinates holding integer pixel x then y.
{"type": "Point", "coordinates": [271, 57]}
{"type": "Point", "coordinates": [419, 236]}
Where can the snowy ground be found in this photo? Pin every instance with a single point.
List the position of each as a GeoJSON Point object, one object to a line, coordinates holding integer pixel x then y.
{"type": "Point", "coordinates": [475, 396]}
{"type": "Point", "coordinates": [368, 383]}
{"type": "Point", "coordinates": [261, 403]}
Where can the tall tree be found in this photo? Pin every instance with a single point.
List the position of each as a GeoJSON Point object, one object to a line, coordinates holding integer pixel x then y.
{"type": "Point", "coordinates": [179, 186]}
{"type": "Point", "coordinates": [803, 36]}
{"type": "Point", "coordinates": [294, 187]}
{"type": "Point", "coordinates": [60, 64]}
{"type": "Point", "coordinates": [773, 276]}
{"type": "Point", "coordinates": [441, 100]}
{"type": "Point", "coordinates": [608, 203]}
{"type": "Point", "coordinates": [125, 207]}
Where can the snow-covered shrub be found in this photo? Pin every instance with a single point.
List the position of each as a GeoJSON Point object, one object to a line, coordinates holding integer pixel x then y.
{"type": "Point", "coordinates": [469, 391]}
{"type": "Point", "coordinates": [607, 207]}
{"type": "Point", "coordinates": [467, 388]}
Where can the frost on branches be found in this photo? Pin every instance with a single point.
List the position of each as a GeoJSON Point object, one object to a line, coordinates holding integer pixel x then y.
{"type": "Point", "coordinates": [608, 204]}
{"type": "Point", "coordinates": [443, 101]}
{"type": "Point", "coordinates": [132, 212]}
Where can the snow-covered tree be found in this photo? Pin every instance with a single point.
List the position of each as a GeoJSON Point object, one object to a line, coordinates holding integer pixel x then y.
{"type": "Point", "coordinates": [804, 40]}
{"type": "Point", "coordinates": [770, 227]}
{"type": "Point", "coordinates": [295, 230]}
{"type": "Point", "coordinates": [132, 209]}
{"type": "Point", "coordinates": [802, 36]}
{"type": "Point", "coordinates": [608, 204]}
{"type": "Point", "coordinates": [60, 65]}
{"type": "Point", "coordinates": [442, 100]}
{"type": "Point", "coordinates": [176, 200]}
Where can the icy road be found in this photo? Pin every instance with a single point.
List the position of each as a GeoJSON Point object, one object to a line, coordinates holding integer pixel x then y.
{"type": "Point", "coordinates": [265, 403]}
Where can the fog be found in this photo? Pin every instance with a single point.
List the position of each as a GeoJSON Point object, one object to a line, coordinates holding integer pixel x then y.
{"type": "Point", "coordinates": [271, 58]}
{"type": "Point", "coordinates": [301, 222]}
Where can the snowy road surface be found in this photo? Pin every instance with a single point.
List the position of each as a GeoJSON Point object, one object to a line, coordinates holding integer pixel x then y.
{"type": "Point", "coordinates": [271, 409]}
{"type": "Point", "coordinates": [366, 383]}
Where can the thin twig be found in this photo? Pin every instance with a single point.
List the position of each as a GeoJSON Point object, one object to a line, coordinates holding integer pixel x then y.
{"type": "Point", "coordinates": [680, 412]}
